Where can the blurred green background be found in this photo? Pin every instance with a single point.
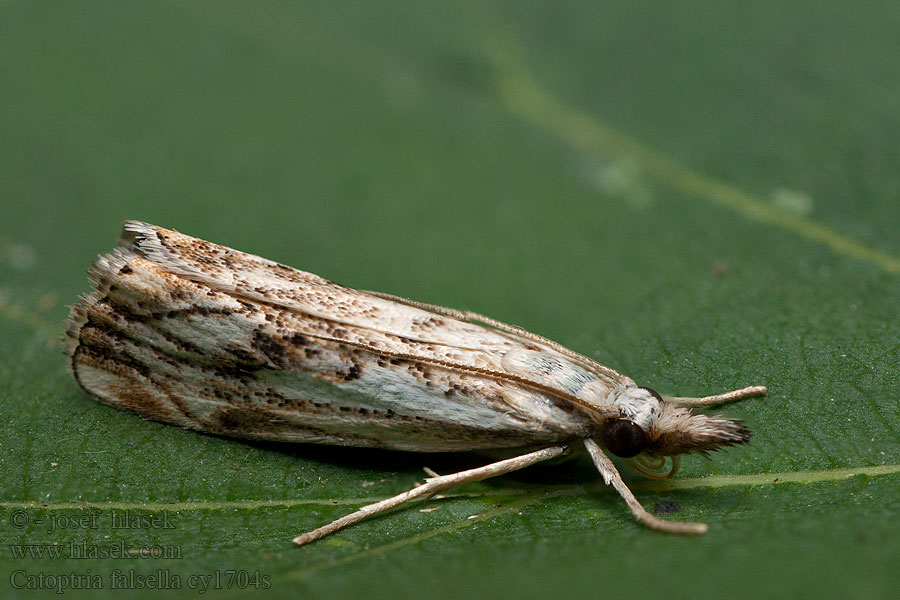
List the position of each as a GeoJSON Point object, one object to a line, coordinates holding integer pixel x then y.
{"type": "Point", "coordinates": [702, 195]}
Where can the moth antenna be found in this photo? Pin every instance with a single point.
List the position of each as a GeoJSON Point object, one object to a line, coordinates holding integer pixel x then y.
{"type": "Point", "coordinates": [732, 396]}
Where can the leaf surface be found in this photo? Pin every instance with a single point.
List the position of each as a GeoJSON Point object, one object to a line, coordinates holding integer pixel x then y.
{"type": "Point", "coordinates": [701, 196]}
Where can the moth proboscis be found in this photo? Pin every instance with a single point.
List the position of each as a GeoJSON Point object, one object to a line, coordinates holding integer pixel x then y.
{"type": "Point", "coordinates": [191, 333]}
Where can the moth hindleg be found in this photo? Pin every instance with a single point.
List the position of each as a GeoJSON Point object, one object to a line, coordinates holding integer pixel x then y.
{"type": "Point", "coordinates": [432, 486]}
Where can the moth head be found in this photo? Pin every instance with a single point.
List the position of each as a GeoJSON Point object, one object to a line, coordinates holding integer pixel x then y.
{"type": "Point", "coordinates": [654, 427]}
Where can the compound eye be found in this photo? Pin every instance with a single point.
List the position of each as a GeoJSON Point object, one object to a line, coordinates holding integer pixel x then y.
{"type": "Point", "coordinates": [624, 438]}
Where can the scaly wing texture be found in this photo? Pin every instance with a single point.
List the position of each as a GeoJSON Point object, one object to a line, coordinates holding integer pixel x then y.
{"type": "Point", "coordinates": [380, 324]}
{"type": "Point", "coordinates": [195, 334]}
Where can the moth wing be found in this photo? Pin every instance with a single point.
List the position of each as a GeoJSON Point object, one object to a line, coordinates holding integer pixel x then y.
{"type": "Point", "coordinates": [432, 333]}
{"type": "Point", "coordinates": [257, 278]}
{"type": "Point", "coordinates": [179, 351]}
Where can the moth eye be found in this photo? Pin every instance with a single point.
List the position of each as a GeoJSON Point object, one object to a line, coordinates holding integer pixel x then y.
{"type": "Point", "coordinates": [624, 438]}
{"type": "Point", "coordinates": [653, 393]}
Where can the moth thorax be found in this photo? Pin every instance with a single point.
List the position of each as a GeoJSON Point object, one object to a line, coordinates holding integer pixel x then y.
{"type": "Point", "coordinates": [636, 404]}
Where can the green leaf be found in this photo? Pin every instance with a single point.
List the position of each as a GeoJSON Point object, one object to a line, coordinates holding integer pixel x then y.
{"type": "Point", "coordinates": [700, 195]}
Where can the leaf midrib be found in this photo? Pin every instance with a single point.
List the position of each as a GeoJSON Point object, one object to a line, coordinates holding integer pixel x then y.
{"type": "Point", "coordinates": [710, 482]}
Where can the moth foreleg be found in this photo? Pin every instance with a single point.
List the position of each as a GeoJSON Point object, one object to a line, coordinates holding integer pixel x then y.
{"type": "Point", "coordinates": [432, 486]}
{"type": "Point", "coordinates": [747, 392]}
{"type": "Point", "coordinates": [611, 477]}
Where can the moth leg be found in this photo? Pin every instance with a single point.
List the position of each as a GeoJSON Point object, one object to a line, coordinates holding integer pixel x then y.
{"type": "Point", "coordinates": [611, 477]}
{"type": "Point", "coordinates": [747, 392]}
{"type": "Point", "coordinates": [432, 486]}
{"type": "Point", "coordinates": [511, 329]}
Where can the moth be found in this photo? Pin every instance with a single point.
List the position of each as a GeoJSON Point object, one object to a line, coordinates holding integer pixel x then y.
{"type": "Point", "coordinates": [194, 334]}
